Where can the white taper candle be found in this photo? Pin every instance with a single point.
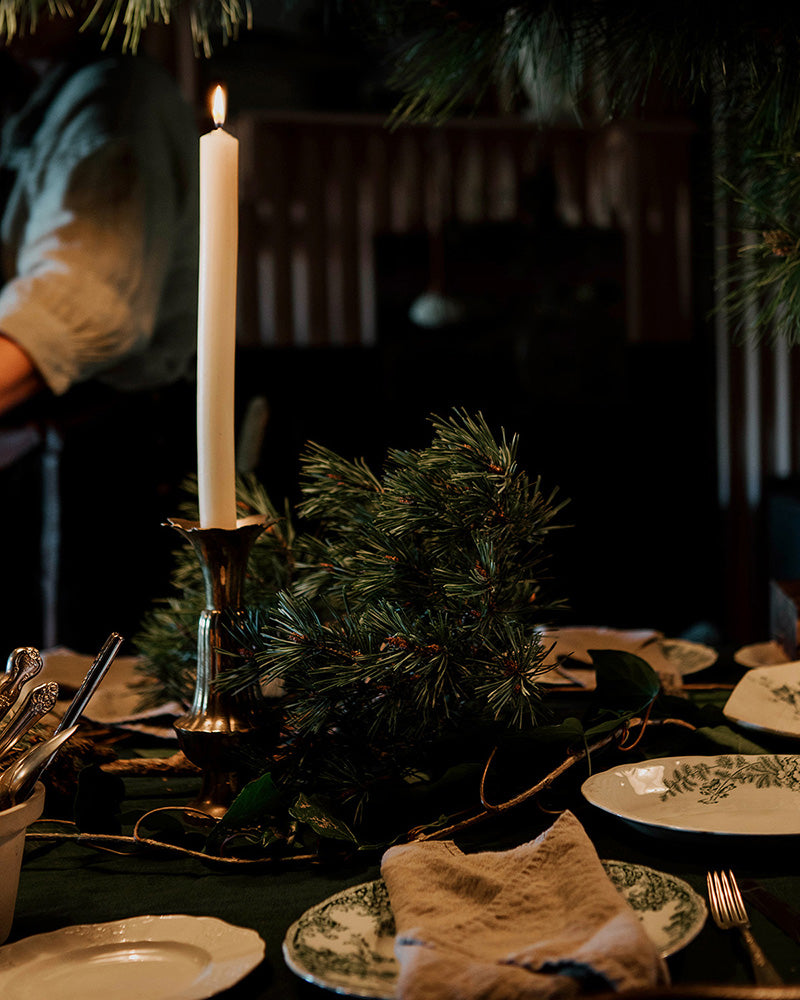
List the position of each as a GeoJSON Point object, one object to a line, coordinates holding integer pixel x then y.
{"type": "Point", "coordinates": [216, 322]}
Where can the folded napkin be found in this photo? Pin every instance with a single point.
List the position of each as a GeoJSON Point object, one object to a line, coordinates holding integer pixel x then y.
{"type": "Point", "coordinates": [540, 921]}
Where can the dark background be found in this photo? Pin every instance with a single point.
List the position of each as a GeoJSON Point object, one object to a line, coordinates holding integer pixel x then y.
{"type": "Point", "coordinates": [625, 430]}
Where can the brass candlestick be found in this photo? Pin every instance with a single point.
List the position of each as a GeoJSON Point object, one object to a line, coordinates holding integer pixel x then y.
{"type": "Point", "coordinates": [219, 725]}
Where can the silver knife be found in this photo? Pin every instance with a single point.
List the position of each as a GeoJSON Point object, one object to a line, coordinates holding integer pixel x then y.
{"type": "Point", "coordinates": [774, 909]}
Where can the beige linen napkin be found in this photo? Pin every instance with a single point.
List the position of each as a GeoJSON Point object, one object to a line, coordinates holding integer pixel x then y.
{"type": "Point", "coordinates": [539, 921]}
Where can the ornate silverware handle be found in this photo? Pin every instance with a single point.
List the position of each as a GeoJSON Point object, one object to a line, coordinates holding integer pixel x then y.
{"type": "Point", "coordinates": [94, 675]}
{"type": "Point", "coordinates": [38, 703]}
{"type": "Point", "coordinates": [763, 971]}
{"type": "Point", "coordinates": [23, 665]}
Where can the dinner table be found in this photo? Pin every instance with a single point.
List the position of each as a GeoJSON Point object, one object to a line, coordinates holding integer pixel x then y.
{"type": "Point", "coordinates": [76, 880]}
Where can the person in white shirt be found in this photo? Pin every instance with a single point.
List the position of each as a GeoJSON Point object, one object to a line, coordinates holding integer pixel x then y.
{"type": "Point", "coordinates": [99, 211]}
{"type": "Point", "coordinates": [99, 231]}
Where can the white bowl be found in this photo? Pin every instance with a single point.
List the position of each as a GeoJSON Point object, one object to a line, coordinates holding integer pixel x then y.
{"type": "Point", "coordinates": [13, 824]}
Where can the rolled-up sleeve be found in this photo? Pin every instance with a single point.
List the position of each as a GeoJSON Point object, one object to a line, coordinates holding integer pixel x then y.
{"type": "Point", "coordinates": [94, 230]}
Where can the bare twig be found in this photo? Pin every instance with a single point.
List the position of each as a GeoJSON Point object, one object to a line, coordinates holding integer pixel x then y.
{"type": "Point", "coordinates": [176, 764]}
{"type": "Point", "coordinates": [492, 809]}
{"type": "Point", "coordinates": [101, 841]}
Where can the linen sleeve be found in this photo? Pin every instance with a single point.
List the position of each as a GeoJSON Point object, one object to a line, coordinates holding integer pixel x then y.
{"type": "Point", "coordinates": [95, 244]}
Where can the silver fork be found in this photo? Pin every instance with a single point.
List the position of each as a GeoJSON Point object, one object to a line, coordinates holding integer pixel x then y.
{"type": "Point", "coordinates": [728, 911]}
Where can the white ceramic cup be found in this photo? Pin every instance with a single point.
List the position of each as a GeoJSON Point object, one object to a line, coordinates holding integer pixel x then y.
{"type": "Point", "coordinates": [13, 824]}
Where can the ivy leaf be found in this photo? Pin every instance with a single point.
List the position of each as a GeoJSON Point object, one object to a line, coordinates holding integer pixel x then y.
{"type": "Point", "coordinates": [626, 685]}
{"type": "Point", "coordinates": [244, 841]}
{"type": "Point", "coordinates": [175, 828]}
{"type": "Point", "coordinates": [257, 799]}
{"type": "Point", "coordinates": [321, 822]}
{"type": "Point", "coordinates": [726, 737]}
{"type": "Point", "coordinates": [568, 731]}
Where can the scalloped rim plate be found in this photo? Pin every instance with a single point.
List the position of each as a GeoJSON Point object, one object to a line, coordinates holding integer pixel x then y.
{"type": "Point", "coordinates": [346, 943]}
{"type": "Point", "coordinates": [728, 794]}
{"type": "Point", "coordinates": [686, 656]}
{"type": "Point", "coordinates": [760, 654]}
{"type": "Point", "coordinates": [768, 698]}
{"type": "Point", "coordinates": [570, 662]}
{"type": "Point", "coordinates": [169, 957]}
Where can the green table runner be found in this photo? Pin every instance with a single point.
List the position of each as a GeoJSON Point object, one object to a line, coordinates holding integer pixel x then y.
{"type": "Point", "coordinates": [65, 883]}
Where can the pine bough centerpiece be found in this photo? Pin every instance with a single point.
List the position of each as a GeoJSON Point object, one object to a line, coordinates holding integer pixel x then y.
{"type": "Point", "coordinates": [404, 632]}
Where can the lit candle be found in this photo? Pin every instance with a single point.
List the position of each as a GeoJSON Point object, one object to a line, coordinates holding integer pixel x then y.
{"type": "Point", "coordinates": [216, 321]}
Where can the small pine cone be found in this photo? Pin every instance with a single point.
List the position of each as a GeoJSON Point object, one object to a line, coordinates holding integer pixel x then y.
{"type": "Point", "coordinates": [779, 242]}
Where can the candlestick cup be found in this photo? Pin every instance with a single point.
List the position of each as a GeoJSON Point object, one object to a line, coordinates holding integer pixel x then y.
{"type": "Point", "coordinates": [220, 726]}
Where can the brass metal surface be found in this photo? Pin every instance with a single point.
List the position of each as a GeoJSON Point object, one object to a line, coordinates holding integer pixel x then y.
{"type": "Point", "coordinates": [216, 731]}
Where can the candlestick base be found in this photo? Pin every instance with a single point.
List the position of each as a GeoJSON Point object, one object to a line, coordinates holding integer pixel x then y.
{"type": "Point", "coordinates": [220, 726]}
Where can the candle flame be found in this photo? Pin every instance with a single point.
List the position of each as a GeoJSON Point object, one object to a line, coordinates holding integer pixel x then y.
{"type": "Point", "coordinates": [219, 103]}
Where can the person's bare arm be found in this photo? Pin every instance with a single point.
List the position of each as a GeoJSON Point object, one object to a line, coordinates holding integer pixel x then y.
{"type": "Point", "coordinates": [19, 377]}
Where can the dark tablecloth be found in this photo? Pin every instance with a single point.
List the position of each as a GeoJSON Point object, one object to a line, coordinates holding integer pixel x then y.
{"type": "Point", "coordinates": [65, 883]}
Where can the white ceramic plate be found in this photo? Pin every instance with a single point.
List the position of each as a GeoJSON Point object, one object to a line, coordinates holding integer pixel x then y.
{"type": "Point", "coordinates": [731, 794]}
{"type": "Point", "coordinates": [171, 957]}
{"type": "Point", "coordinates": [768, 698]}
{"type": "Point", "coordinates": [760, 654]}
{"type": "Point", "coordinates": [346, 943]}
{"type": "Point", "coordinates": [570, 661]}
{"type": "Point", "coordinates": [685, 656]}
{"type": "Point", "coordinates": [576, 642]}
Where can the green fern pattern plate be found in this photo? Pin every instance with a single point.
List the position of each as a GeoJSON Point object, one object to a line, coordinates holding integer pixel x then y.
{"type": "Point", "coordinates": [346, 943]}
{"type": "Point", "coordinates": [730, 794]}
{"type": "Point", "coordinates": [768, 698]}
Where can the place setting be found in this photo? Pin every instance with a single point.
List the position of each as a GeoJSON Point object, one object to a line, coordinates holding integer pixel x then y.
{"type": "Point", "coordinates": [173, 956]}
{"type": "Point", "coordinates": [347, 943]}
{"type": "Point", "coordinates": [768, 699]}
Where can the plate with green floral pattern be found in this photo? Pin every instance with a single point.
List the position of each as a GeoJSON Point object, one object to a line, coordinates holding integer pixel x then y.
{"type": "Point", "coordinates": [346, 943]}
{"type": "Point", "coordinates": [768, 698]}
{"type": "Point", "coordinates": [730, 794]}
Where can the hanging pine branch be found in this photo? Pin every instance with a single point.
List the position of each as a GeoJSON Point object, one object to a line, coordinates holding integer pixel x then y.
{"type": "Point", "coordinates": [450, 51]}
{"type": "Point", "coordinates": [762, 286]}
{"type": "Point", "coordinates": [742, 55]}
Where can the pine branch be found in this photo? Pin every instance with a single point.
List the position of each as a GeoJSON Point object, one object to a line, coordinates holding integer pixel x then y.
{"type": "Point", "coordinates": [418, 605]}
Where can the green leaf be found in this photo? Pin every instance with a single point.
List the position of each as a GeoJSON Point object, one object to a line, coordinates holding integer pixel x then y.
{"type": "Point", "coordinates": [624, 678]}
{"type": "Point", "coordinates": [271, 836]}
{"type": "Point", "coordinates": [569, 731]}
{"type": "Point", "coordinates": [321, 822]}
{"type": "Point", "coordinates": [250, 841]}
{"type": "Point", "coordinates": [258, 798]}
{"type": "Point", "coordinates": [726, 737]}
{"type": "Point", "coordinates": [175, 827]}
{"type": "Point", "coordinates": [626, 685]}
